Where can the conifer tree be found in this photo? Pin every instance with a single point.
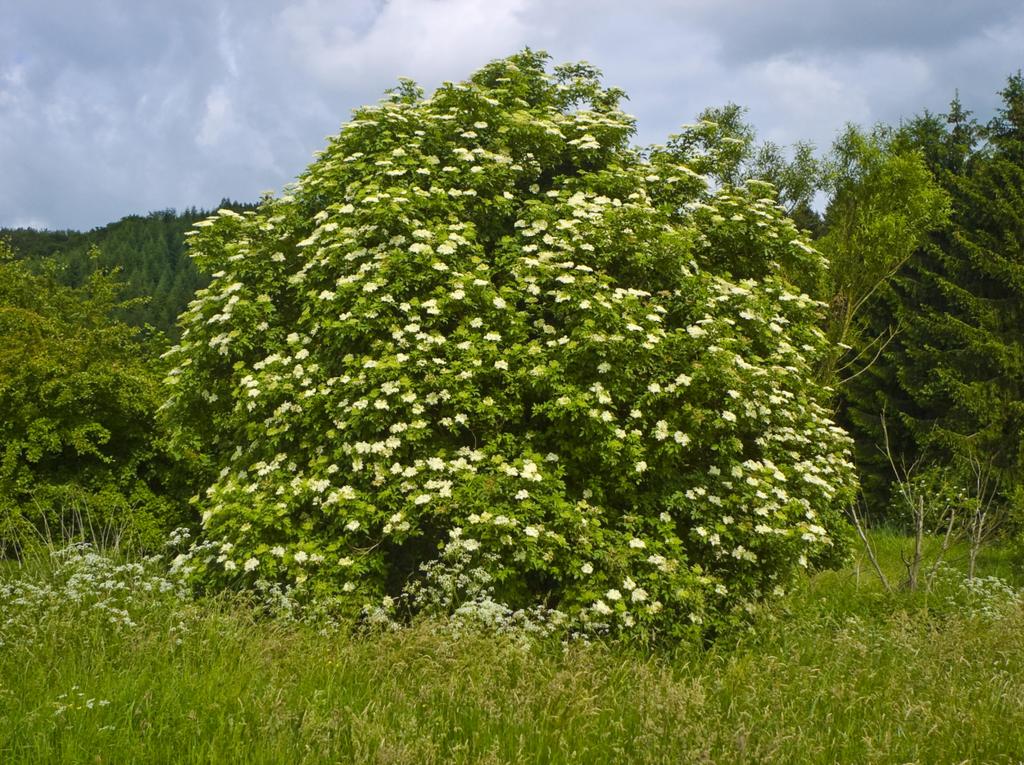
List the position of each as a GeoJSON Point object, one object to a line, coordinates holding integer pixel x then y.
{"type": "Point", "coordinates": [953, 382]}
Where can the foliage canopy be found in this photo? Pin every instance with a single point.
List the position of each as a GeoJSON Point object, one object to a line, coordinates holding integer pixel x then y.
{"type": "Point", "coordinates": [78, 397]}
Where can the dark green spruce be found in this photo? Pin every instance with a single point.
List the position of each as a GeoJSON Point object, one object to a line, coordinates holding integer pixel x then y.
{"type": "Point", "coordinates": [951, 385]}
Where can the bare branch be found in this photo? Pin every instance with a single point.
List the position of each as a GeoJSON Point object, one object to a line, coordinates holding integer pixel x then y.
{"type": "Point", "coordinates": [881, 350]}
{"type": "Point", "coordinates": [861, 527]}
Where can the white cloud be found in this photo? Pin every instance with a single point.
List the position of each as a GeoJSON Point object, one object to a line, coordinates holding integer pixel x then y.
{"type": "Point", "coordinates": [217, 119]}
{"type": "Point", "coordinates": [426, 40]}
{"type": "Point", "coordinates": [794, 99]}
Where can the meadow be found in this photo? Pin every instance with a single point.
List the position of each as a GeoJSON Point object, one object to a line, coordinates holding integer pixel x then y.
{"type": "Point", "coordinates": [104, 661]}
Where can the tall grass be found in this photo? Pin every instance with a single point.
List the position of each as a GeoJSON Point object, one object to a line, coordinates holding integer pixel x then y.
{"type": "Point", "coordinates": [837, 672]}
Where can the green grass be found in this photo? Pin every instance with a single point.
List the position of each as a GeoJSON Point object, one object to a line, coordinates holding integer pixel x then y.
{"type": "Point", "coordinates": [838, 672]}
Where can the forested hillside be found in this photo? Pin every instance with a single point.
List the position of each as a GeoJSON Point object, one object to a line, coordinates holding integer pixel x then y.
{"type": "Point", "coordinates": [147, 252]}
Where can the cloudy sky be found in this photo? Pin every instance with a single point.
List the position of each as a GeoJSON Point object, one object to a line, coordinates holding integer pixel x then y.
{"type": "Point", "coordinates": [110, 107]}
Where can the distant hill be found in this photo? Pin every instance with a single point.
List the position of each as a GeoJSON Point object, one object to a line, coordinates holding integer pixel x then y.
{"type": "Point", "coordinates": [148, 252]}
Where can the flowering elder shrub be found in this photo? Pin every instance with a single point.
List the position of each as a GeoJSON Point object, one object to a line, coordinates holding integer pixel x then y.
{"type": "Point", "coordinates": [481, 320]}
